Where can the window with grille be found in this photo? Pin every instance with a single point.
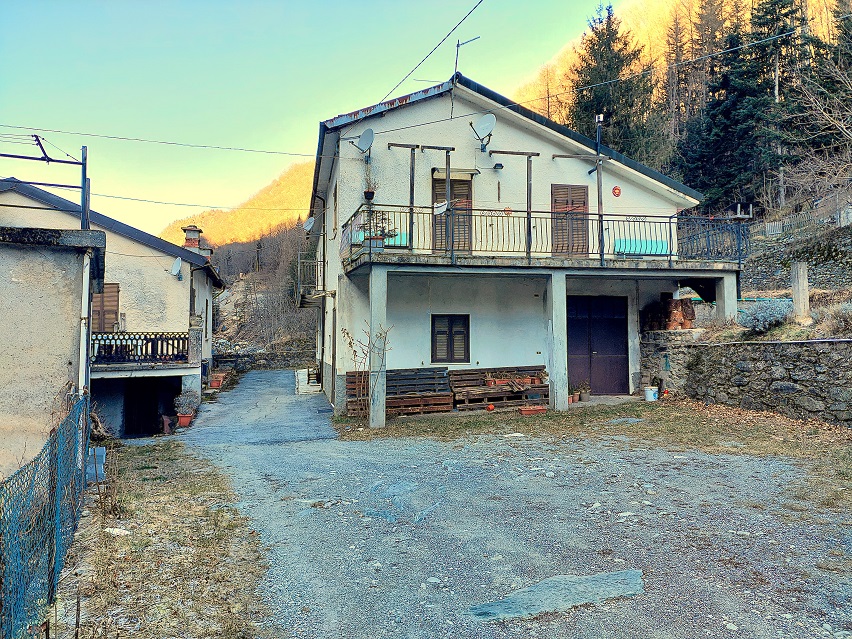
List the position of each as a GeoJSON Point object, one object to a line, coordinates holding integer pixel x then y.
{"type": "Point", "coordinates": [450, 338]}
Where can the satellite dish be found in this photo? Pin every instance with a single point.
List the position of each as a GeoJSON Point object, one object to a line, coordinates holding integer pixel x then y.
{"type": "Point", "coordinates": [484, 127]}
{"type": "Point", "coordinates": [365, 141]}
{"type": "Point", "coordinates": [175, 270]}
{"type": "Point", "coordinates": [309, 224]}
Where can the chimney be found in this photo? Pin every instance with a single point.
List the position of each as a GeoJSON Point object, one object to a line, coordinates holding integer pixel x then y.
{"type": "Point", "coordinates": [193, 238]}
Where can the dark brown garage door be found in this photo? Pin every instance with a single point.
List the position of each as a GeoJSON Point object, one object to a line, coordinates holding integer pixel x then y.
{"type": "Point", "coordinates": [597, 343]}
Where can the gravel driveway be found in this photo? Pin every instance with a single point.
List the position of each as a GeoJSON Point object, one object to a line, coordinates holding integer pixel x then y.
{"type": "Point", "coordinates": [401, 537]}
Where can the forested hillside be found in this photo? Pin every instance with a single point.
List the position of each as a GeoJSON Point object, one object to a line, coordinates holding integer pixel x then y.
{"type": "Point", "coordinates": [766, 121]}
{"type": "Point", "coordinates": [283, 202]}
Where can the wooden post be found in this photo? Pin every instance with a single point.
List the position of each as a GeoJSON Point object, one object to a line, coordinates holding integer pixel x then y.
{"type": "Point", "coordinates": [801, 298]}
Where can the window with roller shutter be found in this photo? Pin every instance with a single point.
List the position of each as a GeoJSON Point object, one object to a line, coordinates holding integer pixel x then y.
{"type": "Point", "coordinates": [569, 219]}
{"type": "Point", "coordinates": [450, 339]}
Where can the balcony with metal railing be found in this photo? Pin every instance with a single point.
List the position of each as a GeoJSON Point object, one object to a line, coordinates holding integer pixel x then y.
{"type": "Point", "coordinates": [509, 237]}
{"type": "Point", "coordinates": [309, 284]}
{"type": "Point", "coordinates": [122, 350]}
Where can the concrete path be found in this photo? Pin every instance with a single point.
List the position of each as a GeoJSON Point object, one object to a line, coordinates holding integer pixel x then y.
{"type": "Point", "coordinates": [410, 537]}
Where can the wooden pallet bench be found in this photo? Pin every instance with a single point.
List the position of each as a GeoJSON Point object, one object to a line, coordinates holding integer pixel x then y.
{"type": "Point", "coordinates": [471, 392]}
{"type": "Point", "coordinates": [410, 391]}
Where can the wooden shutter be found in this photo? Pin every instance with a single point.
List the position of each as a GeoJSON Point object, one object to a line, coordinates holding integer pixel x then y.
{"type": "Point", "coordinates": [461, 193]}
{"type": "Point", "coordinates": [569, 219]}
{"type": "Point", "coordinates": [105, 309]}
{"type": "Point", "coordinates": [451, 338]}
{"type": "Point", "coordinates": [440, 338]}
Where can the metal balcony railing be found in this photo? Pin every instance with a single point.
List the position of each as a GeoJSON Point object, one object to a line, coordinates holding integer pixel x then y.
{"type": "Point", "coordinates": [139, 348]}
{"type": "Point", "coordinates": [309, 280]}
{"type": "Point", "coordinates": [509, 232]}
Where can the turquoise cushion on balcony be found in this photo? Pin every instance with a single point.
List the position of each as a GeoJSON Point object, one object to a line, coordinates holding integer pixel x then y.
{"type": "Point", "coordinates": [400, 239]}
{"type": "Point", "coordinates": [633, 246]}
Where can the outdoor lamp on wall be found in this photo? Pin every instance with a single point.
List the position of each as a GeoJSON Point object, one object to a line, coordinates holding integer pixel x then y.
{"type": "Point", "coordinates": [498, 166]}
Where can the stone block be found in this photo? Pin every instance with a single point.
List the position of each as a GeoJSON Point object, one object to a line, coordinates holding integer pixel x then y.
{"type": "Point", "coordinates": [744, 366]}
{"type": "Point", "coordinates": [809, 403]}
{"type": "Point", "coordinates": [784, 388]}
{"type": "Point", "coordinates": [739, 380]}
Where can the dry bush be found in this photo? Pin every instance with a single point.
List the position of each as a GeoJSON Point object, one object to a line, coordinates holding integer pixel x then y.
{"type": "Point", "coordinates": [839, 320]}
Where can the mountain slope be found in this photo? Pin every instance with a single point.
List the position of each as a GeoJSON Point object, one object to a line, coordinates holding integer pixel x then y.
{"type": "Point", "coordinates": [284, 201]}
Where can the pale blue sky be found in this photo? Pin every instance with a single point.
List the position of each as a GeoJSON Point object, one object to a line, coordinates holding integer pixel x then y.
{"type": "Point", "coordinates": [253, 73]}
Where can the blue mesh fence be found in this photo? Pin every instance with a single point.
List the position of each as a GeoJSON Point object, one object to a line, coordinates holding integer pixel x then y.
{"type": "Point", "coordinates": [40, 506]}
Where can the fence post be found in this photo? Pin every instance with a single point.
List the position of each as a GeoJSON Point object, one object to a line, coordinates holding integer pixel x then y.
{"type": "Point", "coordinates": [671, 238]}
{"type": "Point", "coordinates": [56, 518]}
{"type": "Point", "coordinates": [451, 235]}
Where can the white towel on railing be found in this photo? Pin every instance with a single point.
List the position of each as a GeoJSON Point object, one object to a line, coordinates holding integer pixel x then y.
{"type": "Point", "coordinates": [440, 208]}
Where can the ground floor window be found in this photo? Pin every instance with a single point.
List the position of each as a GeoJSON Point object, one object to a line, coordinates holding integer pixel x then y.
{"type": "Point", "coordinates": [450, 339]}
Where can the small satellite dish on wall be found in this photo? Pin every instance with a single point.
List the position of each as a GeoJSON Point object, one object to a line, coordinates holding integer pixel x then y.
{"type": "Point", "coordinates": [309, 224]}
{"type": "Point", "coordinates": [365, 141]}
{"type": "Point", "coordinates": [175, 270]}
{"type": "Point", "coordinates": [483, 129]}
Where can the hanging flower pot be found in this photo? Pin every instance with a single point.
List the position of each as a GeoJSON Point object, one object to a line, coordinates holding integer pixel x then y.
{"type": "Point", "coordinates": [369, 195]}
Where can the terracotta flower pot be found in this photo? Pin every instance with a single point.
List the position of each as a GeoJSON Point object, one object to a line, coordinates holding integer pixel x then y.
{"type": "Point", "coordinates": [532, 410]}
{"type": "Point", "coordinates": [185, 420]}
{"type": "Point", "coordinates": [576, 396]}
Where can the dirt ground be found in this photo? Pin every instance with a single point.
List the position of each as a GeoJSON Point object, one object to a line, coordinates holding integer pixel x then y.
{"type": "Point", "coordinates": [162, 552]}
{"type": "Point", "coordinates": [739, 523]}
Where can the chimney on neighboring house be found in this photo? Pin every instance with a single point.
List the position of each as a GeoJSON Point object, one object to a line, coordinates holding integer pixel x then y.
{"type": "Point", "coordinates": [193, 238]}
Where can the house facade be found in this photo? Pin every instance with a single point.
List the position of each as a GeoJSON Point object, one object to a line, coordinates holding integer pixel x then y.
{"type": "Point", "coordinates": [152, 324]}
{"type": "Point", "coordinates": [46, 283]}
{"type": "Point", "coordinates": [520, 259]}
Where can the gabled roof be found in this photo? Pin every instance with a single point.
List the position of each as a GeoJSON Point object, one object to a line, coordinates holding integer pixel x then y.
{"type": "Point", "coordinates": [505, 103]}
{"type": "Point", "coordinates": [110, 224]}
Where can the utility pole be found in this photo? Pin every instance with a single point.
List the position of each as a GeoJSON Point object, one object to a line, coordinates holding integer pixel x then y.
{"type": "Point", "coordinates": [599, 171]}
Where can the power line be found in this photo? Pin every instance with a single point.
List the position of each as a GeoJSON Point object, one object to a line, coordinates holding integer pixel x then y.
{"type": "Point", "coordinates": [201, 206]}
{"type": "Point", "coordinates": [411, 126]}
{"type": "Point", "coordinates": [164, 142]}
{"type": "Point", "coordinates": [435, 48]}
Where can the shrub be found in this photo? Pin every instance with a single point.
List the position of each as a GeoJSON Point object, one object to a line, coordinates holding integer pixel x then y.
{"type": "Point", "coordinates": [765, 315]}
{"type": "Point", "coordinates": [839, 320]}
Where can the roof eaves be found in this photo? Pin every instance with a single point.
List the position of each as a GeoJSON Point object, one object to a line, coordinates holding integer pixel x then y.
{"type": "Point", "coordinates": [389, 105]}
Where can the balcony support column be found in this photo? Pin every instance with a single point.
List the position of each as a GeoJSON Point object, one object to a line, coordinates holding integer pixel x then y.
{"type": "Point", "coordinates": [726, 298]}
{"type": "Point", "coordinates": [194, 348]}
{"type": "Point", "coordinates": [557, 325]}
{"type": "Point", "coordinates": [378, 344]}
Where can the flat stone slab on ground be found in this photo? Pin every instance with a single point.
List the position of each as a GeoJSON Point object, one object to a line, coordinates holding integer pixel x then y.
{"type": "Point", "coordinates": [560, 594]}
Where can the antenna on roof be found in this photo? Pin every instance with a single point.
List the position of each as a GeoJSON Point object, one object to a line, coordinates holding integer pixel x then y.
{"type": "Point", "coordinates": [483, 129]}
{"type": "Point", "coordinates": [309, 224]}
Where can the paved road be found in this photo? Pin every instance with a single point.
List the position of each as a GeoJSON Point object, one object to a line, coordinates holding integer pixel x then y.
{"type": "Point", "coordinates": [401, 537]}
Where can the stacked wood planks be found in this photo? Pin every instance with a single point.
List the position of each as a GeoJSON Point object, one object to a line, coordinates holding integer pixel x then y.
{"type": "Point", "coordinates": [410, 391]}
{"type": "Point", "coordinates": [471, 391]}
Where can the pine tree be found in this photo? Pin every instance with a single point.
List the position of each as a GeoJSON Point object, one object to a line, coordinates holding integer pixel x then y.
{"type": "Point", "coordinates": [610, 79]}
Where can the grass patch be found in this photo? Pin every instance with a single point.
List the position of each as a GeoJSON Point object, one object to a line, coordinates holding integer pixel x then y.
{"type": "Point", "coordinates": [190, 566]}
{"type": "Point", "coordinates": [676, 424]}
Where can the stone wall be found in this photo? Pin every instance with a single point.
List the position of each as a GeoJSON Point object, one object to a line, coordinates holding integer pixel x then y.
{"type": "Point", "coordinates": [810, 379]}
{"type": "Point", "coordinates": [829, 258]}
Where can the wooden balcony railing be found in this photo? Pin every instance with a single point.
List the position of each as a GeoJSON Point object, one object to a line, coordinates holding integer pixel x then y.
{"type": "Point", "coordinates": [507, 232]}
{"type": "Point", "coordinates": [139, 348]}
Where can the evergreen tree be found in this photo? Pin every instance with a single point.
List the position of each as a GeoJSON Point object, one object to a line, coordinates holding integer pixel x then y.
{"type": "Point", "coordinates": [612, 80]}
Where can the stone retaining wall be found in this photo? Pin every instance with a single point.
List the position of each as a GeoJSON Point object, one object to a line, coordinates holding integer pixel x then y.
{"type": "Point", "coordinates": [810, 379]}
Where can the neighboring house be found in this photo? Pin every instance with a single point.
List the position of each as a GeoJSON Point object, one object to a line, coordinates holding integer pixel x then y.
{"type": "Point", "coordinates": [518, 270]}
{"type": "Point", "coordinates": [46, 276]}
{"type": "Point", "coordinates": [152, 324]}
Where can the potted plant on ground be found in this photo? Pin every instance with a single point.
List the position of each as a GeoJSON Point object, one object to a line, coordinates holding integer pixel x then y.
{"type": "Point", "coordinates": [185, 405]}
{"type": "Point", "coordinates": [584, 390]}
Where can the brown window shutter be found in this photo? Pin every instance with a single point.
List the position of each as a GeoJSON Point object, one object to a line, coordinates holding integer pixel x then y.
{"type": "Point", "coordinates": [440, 338]}
{"type": "Point", "coordinates": [569, 220]}
{"type": "Point", "coordinates": [105, 306]}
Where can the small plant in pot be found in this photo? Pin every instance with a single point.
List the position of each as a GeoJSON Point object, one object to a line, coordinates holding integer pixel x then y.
{"type": "Point", "coordinates": [185, 405]}
{"type": "Point", "coordinates": [584, 390]}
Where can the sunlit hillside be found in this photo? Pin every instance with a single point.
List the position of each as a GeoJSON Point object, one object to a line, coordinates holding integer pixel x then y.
{"type": "Point", "coordinates": [285, 200]}
{"type": "Point", "coordinates": [649, 23]}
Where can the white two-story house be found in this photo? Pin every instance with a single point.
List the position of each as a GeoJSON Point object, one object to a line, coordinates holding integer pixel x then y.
{"type": "Point", "coordinates": [151, 327]}
{"type": "Point", "coordinates": [487, 242]}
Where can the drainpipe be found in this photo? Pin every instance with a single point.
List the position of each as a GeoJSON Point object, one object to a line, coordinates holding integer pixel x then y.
{"type": "Point", "coordinates": [85, 348]}
{"type": "Point", "coordinates": [601, 239]}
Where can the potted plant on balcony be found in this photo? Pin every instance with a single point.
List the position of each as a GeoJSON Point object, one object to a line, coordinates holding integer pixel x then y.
{"type": "Point", "coordinates": [185, 405]}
